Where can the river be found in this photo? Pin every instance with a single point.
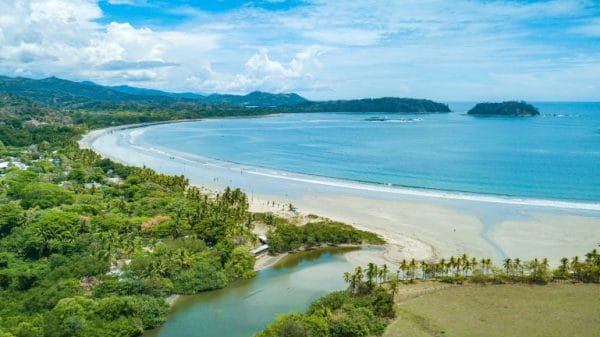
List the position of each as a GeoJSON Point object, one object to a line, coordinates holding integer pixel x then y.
{"type": "Point", "coordinates": [247, 306]}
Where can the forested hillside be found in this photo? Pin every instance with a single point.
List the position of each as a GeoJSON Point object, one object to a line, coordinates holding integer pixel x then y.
{"type": "Point", "coordinates": [90, 247]}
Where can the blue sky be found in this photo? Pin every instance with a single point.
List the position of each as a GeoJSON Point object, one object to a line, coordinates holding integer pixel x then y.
{"type": "Point", "coordinates": [323, 49]}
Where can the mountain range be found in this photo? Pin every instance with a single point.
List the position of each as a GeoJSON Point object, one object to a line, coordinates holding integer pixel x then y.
{"type": "Point", "coordinates": [60, 93]}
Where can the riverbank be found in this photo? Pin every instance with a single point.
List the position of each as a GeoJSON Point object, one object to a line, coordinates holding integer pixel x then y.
{"type": "Point", "coordinates": [416, 224]}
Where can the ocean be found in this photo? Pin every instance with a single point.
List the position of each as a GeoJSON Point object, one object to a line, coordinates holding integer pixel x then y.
{"type": "Point", "coordinates": [553, 156]}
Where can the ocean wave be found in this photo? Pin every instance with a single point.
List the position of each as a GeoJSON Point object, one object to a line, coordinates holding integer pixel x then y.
{"type": "Point", "coordinates": [386, 188]}
{"type": "Point", "coordinates": [393, 120]}
{"type": "Point", "coordinates": [192, 159]}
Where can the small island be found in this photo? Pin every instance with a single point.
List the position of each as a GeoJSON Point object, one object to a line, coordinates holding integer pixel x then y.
{"type": "Point", "coordinates": [511, 108]}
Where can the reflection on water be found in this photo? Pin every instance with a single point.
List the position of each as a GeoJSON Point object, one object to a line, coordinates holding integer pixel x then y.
{"type": "Point", "coordinates": [248, 306]}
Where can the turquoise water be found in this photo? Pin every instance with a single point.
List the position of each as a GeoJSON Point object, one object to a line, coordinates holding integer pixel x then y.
{"type": "Point", "coordinates": [553, 156]}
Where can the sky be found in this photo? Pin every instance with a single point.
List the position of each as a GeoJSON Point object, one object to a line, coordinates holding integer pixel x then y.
{"type": "Point", "coordinates": [447, 50]}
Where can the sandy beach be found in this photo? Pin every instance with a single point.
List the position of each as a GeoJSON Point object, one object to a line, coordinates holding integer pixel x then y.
{"type": "Point", "coordinates": [416, 224]}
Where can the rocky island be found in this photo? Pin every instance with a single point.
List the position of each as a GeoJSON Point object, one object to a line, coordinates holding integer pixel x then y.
{"type": "Point", "coordinates": [510, 108]}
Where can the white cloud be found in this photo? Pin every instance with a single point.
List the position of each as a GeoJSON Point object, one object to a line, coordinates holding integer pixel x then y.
{"type": "Point", "coordinates": [263, 73]}
{"type": "Point", "coordinates": [328, 49]}
{"type": "Point", "coordinates": [60, 37]}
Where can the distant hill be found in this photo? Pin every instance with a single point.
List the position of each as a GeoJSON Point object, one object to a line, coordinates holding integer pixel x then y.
{"type": "Point", "coordinates": [14, 108]}
{"type": "Point", "coordinates": [384, 104]}
{"type": "Point", "coordinates": [257, 99]}
{"type": "Point", "coordinates": [152, 92]}
{"type": "Point", "coordinates": [63, 93]}
{"type": "Point", "coordinates": [59, 93]}
{"type": "Point", "coordinates": [510, 108]}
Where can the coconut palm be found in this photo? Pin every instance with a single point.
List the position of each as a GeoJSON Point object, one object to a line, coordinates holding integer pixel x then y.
{"type": "Point", "coordinates": [412, 268]}
{"type": "Point", "coordinates": [404, 268]}
{"type": "Point", "coordinates": [384, 272]}
{"type": "Point", "coordinates": [474, 263]}
{"type": "Point", "coordinates": [371, 274]}
{"type": "Point", "coordinates": [444, 270]}
{"type": "Point", "coordinates": [508, 266]}
{"type": "Point", "coordinates": [518, 266]}
{"type": "Point", "coordinates": [348, 278]}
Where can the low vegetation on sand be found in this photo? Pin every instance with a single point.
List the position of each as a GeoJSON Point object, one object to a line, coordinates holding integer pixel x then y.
{"type": "Point", "coordinates": [285, 235]}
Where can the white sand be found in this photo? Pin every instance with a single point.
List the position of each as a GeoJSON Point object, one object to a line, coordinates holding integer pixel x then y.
{"type": "Point", "coordinates": [416, 224]}
{"type": "Point", "coordinates": [546, 235]}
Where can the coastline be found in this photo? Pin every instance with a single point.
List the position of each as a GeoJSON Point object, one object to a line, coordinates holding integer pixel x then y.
{"type": "Point", "coordinates": [419, 224]}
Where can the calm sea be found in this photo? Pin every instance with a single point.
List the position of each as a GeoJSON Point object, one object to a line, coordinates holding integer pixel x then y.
{"type": "Point", "coordinates": [552, 156]}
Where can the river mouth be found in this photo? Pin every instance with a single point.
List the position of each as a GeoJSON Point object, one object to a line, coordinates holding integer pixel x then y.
{"type": "Point", "coordinates": [247, 306]}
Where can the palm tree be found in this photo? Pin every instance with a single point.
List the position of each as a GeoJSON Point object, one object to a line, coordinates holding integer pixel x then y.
{"type": "Point", "coordinates": [348, 279]}
{"type": "Point", "coordinates": [371, 274]}
{"type": "Point", "coordinates": [404, 268]}
{"type": "Point", "coordinates": [358, 274]}
{"type": "Point", "coordinates": [474, 263]}
{"type": "Point", "coordinates": [443, 267]}
{"type": "Point", "coordinates": [519, 267]}
{"type": "Point", "coordinates": [575, 266]}
{"type": "Point", "coordinates": [453, 265]}
{"type": "Point", "coordinates": [466, 267]}
{"type": "Point", "coordinates": [483, 267]}
{"type": "Point", "coordinates": [384, 272]}
{"type": "Point", "coordinates": [508, 266]}
{"type": "Point", "coordinates": [564, 267]}
{"type": "Point", "coordinates": [412, 268]}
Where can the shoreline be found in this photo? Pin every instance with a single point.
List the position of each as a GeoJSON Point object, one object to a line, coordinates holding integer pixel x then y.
{"type": "Point", "coordinates": [421, 224]}
{"type": "Point", "coordinates": [88, 139]}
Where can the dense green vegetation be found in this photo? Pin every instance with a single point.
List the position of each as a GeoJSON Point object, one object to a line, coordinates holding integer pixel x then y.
{"type": "Point", "coordinates": [511, 108]}
{"type": "Point", "coordinates": [81, 260]}
{"type": "Point", "coordinates": [384, 104]}
{"type": "Point", "coordinates": [90, 247]}
{"type": "Point", "coordinates": [285, 237]}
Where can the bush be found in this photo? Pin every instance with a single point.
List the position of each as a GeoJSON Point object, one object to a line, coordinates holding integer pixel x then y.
{"type": "Point", "coordinates": [205, 274]}
{"type": "Point", "coordinates": [44, 195]}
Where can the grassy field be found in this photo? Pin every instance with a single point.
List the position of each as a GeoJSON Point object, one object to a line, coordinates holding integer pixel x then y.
{"type": "Point", "coordinates": [554, 310]}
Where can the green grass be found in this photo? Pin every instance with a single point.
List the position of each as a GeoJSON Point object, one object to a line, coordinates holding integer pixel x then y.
{"type": "Point", "coordinates": [553, 310]}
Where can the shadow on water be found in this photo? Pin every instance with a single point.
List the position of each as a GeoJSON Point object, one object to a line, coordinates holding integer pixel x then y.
{"type": "Point", "coordinates": [293, 260]}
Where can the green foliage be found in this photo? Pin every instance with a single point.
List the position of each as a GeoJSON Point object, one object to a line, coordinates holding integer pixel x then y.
{"type": "Point", "coordinates": [80, 261]}
{"type": "Point", "coordinates": [152, 311]}
{"type": "Point", "coordinates": [58, 241]}
{"type": "Point", "coordinates": [44, 195]}
{"type": "Point", "coordinates": [384, 104]}
{"type": "Point", "coordinates": [340, 314]}
{"type": "Point", "coordinates": [11, 215]}
{"type": "Point", "coordinates": [240, 264]}
{"type": "Point", "coordinates": [510, 108]}
{"type": "Point", "coordinates": [296, 325]}
{"type": "Point", "coordinates": [288, 237]}
{"type": "Point", "coordinates": [204, 274]}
